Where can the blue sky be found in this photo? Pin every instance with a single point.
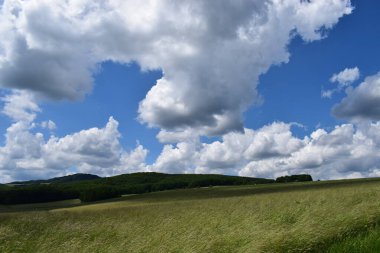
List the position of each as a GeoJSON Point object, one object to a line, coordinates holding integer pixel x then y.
{"type": "Point", "coordinates": [292, 91]}
{"type": "Point", "coordinates": [207, 94]}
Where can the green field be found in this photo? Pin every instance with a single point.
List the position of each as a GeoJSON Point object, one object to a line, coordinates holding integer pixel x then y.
{"type": "Point", "coordinates": [335, 216]}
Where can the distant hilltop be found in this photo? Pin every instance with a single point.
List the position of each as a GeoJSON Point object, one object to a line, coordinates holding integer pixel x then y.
{"type": "Point", "coordinates": [64, 179]}
{"type": "Point", "coordinates": [88, 187]}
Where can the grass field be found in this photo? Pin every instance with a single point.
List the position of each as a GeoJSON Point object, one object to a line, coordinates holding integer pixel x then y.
{"type": "Point", "coordinates": [334, 216]}
{"type": "Point", "coordinates": [366, 241]}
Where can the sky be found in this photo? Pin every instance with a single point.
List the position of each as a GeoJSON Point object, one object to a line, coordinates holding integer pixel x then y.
{"type": "Point", "coordinates": [247, 87]}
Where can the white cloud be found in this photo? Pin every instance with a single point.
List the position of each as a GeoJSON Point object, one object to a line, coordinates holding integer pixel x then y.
{"type": "Point", "coordinates": [98, 147]}
{"type": "Point", "coordinates": [28, 155]}
{"type": "Point", "coordinates": [165, 136]}
{"type": "Point", "coordinates": [346, 76]}
{"type": "Point", "coordinates": [179, 158]}
{"type": "Point", "coordinates": [211, 52]}
{"type": "Point", "coordinates": [272, 140]}
{"type": "Point", "coordinates": [361, 102]}
{"type": "Point", "coordinates": [20, 106]}
{"type": "Point", "coordinates": [349, 150]}
{"type": "Point", "coordinates": [327, 93]}
{"type": "Point", "coordinates": [48, 124]}
{"type": "Point", "coordinates": [345, 152]}
{"type": "Point", "coordinates": [133, 161]}
{"type": "Point", "coordinates": [344, 79]}
{"type": "Point", "coordinates": [219, 80]}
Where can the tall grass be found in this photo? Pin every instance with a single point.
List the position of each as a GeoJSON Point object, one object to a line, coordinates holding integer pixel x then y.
{"type": "Point", "coordinates": [366, 242]}
{"type": "Point", "coordinates": [270, 218]}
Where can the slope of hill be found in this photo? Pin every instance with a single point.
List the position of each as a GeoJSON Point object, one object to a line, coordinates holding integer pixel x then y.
{"type": "Point", "coordinates": [293, 217]}
{"type": "Point", "coordinates": [191, 180]}
{"type": "Point", "coordinates": [92, 188]}
{"type": "Point", "coordinates": [64, 179]}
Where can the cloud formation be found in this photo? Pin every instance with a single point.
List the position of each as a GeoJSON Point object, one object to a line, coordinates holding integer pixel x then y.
{"type": "Point", "coordinates": [211, 53]}
{"type": "Point", "coordinates": [346, 76]}
{"type": "Point", "coordinates": [361, 102]}
{"type": "Point", "coordinates": [347, 151]}
{"type": "Point", "coordinates": [344, 79]}
{"type": "Point", "coordinates": [26, 153]}
{"type": "Point", "coordinates": [20, 106]}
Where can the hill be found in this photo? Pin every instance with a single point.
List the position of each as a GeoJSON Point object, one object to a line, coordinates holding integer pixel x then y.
{"type": "Point", "coordinates": [64, 179]}
{"type": "Point", "coordinates": [179, 180]}
{"type": "Point", "coordinates": [149, 178]}
{"type": "Point", "coordinates": [92, 188]}
{"type": "Point", "coordinates": [329, 216]}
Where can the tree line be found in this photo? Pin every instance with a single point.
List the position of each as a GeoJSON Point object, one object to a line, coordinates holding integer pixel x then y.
{"type": "Point", "coordinates": [111, 187]}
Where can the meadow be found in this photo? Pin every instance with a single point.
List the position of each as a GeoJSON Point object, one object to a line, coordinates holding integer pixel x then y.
{"type": "Point", "coordinates": [334, 216]}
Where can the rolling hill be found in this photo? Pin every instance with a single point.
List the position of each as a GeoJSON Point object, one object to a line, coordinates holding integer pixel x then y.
{"type": "Point", "coordinates": [64, 179]}
{"type": "Point", "coordinates": [91, 188]}
{"type": "Point", "coordinates": [327, 216]}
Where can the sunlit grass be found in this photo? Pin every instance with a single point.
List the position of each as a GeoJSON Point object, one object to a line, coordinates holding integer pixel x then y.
{"type": "Point", "coordinates": [269, 218]}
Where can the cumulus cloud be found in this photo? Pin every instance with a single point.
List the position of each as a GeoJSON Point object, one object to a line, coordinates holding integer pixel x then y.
{"type": "Point", "coordinates": [349, 150]}
{"type": "Point", "coordinates": [345, 152]}
{"type": "Point", "coordinates": [220, 78]}
{"type": "Point", "coordinates": [230, 154]}
{"type": "Point", "coordinates": [211, 53]}
{"type": "Point", "coordinates": [178, 158]}
{"type": "Point", "coordinates": [344, 79]}
{"type": "Point", "coordinates": [48, 124]}
{"type": "Point", "coordinates": [328, 93]}
{"type": "Point", "coordinates": [95, 150]}
{"type": "Point", "coordinates": [362, 102]}
{"type": "Point", "coordinates": [165, 136]}
{"type": "Point", "coordinates": [346, 76]}
{"type": "Point", "coordinates": [20, 106]}
{"type": "Point", "coordinates": [26, 153]}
